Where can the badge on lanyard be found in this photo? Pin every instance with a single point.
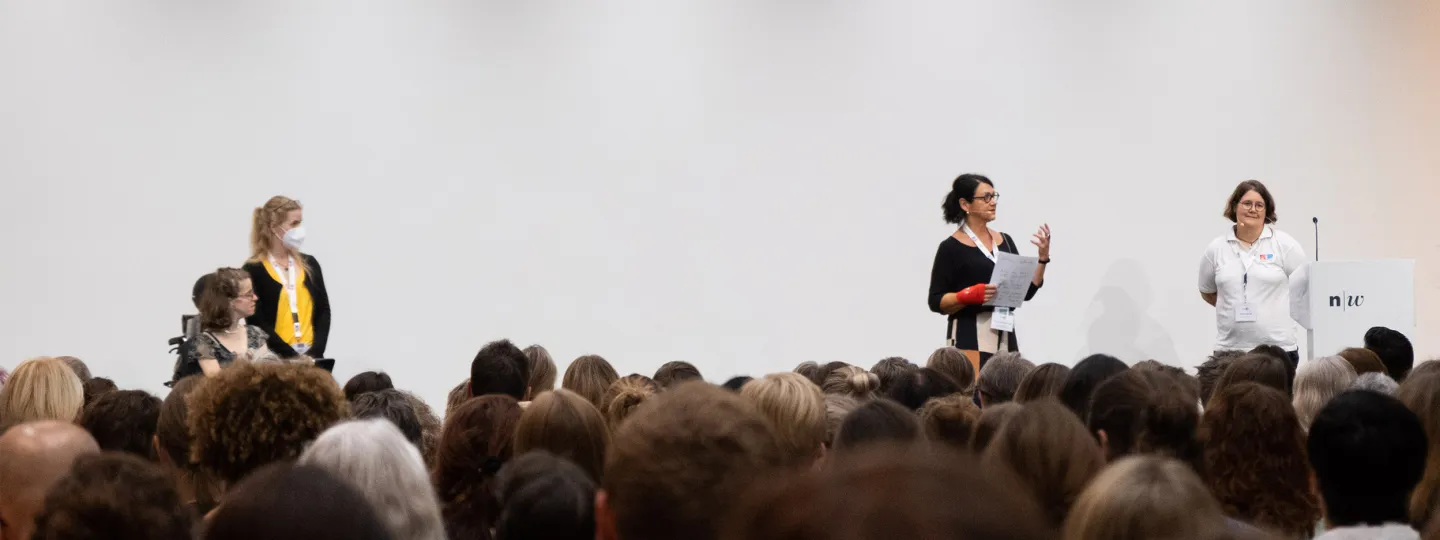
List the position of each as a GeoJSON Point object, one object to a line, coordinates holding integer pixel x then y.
{"type": "Point", "coordinates": [1245, 312]}
{"type": "Point", "coordinates": [1003, 320]}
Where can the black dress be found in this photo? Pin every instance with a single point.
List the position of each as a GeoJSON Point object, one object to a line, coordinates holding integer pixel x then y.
{"type": "Point", "coordinates": [958, 266]}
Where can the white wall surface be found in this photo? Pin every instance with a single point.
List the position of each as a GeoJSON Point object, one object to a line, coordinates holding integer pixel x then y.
{"type": "Point", "coordinates": [742, 184]}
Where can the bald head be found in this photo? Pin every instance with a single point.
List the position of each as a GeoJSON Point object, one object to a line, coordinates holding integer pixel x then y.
{"type": "Point", "coordinates": [33, 456]}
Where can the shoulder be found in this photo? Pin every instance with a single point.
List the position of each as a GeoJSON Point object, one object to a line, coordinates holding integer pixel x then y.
{"type": "Point", "coordinates": [253, 332]}
{"type": "Point", "coordinates": [949, 244]}
{"type": "Point", "coordinates": [1284, 239]}
{"type": "Point", "coordinates": [1218, 244]}
{"type": "Point", "coordinates": [310, 260]}
{"type": "Point", "coordinates": [253, 266]}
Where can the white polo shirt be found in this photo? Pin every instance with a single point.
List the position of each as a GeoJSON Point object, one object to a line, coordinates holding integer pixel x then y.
{"type": "Point", "coordinates": [1270, 262]}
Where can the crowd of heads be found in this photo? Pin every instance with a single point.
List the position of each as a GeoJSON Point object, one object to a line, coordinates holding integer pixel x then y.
{"type": "Point", "coordinates": [1248, 446]}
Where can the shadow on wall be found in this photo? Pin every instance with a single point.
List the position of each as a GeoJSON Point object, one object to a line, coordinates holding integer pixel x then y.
{"type": "Point", "coordinates": [1121, 324]}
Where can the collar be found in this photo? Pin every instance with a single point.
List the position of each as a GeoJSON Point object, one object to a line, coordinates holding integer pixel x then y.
{"type": "Point", "coordinates": [1264, 233]}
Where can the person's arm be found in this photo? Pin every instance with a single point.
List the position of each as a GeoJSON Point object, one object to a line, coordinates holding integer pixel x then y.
{"type": "Point", "coordinates": [210, 367]}
{"type": "Point", "coordinates": [1294, 255]}
{"type": "Point", "coordinates": [1042, 242]}
{"type": "Point", "coordinates": [320, 319]}
{"type": "Point", "coordinates": [203, 354]}
{"type": "Point", "coordinates": [942, 298]}
{"type": "Point", "coordinates": [1208, 297]}
{"type": "Point", "coordinates": [1208, 288]}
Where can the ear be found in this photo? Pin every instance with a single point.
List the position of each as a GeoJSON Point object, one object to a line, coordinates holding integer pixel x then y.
{"type": "Point", "coordinates": [469, 389]}
{"type": "Point", "coordinates": [604, 517]}
{"type": "Point", "coordinates": [1104, 442]}
{"type": "Point", "coordinates": [529, 393]}
{"type": "Point", "coordinates": [160, 451]}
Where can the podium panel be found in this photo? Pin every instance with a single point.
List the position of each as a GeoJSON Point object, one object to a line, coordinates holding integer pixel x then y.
{"type": "Point", "coordinates": [1340, 300]}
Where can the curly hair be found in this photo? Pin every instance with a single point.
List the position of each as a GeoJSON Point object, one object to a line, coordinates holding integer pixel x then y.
{"type": "Point", "coordinates": [477, 441]}
{"type": "Point", "coordinates": [254, 414]}
{"type": "Point", "coordinates": [124, 421]}
{"type": "Point", "coordinates": [1255, 459]}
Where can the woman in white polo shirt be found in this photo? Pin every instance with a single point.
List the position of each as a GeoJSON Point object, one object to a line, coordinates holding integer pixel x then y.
{"type": "Point", "coordinates": [1245, 274]}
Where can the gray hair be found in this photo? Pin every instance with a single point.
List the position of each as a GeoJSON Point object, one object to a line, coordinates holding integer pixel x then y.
{"type": "Point", "coordinates": [1316, 382]}
{"type": "Point", "coordinates": [78, 366]}
{"type": "Point", "coordinates": [1376, 381]}
{"type": "Point", "coordinates": [373, 456]}
{"type": "Point", "coordinates": [1001, 376]}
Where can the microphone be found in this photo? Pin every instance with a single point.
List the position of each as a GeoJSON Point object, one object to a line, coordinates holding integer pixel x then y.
{"type": "Point", "coordinates": [1316, 221]}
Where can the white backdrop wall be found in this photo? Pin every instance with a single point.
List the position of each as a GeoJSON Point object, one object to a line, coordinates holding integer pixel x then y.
{"type": "Point", "coordinates": [742, 184]}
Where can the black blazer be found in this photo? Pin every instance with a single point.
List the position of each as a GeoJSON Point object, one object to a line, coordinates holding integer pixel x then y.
{"type": "Point", "coordinates": [268, 291]}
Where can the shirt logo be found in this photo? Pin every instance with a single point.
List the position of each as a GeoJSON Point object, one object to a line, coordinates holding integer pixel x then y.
{"type": "Point", "coordinates": [1267, 257]}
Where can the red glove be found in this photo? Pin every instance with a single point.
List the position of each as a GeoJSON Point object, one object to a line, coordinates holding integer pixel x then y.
{"type": "Point", "coordinates": [971, 296]}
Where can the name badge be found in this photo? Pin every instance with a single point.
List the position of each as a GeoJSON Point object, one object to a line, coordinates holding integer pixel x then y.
{"type": "Point", "coordinates": [1003, 320]}
{"type": "Point", "coordinates": [301, 348]}
{"type": "Point", "coordinates": [1245, 313]}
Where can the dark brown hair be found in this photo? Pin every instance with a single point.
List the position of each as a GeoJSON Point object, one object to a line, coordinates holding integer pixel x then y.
{"type": "Point", "coordinates": [878, 422]}
{"type": "Point", "coordinates": [221, 289]}
{"type": "Point", "coordinates": [950, 420]}
{"type": "Point", "coordinates": [254, 414]}
{"type": "Point", "coordinates": [1255, 459]}
{"type": "Point", "coordinates": [565, 424]}
{"type": "Point", "coordinates": [172, 433]}
{"type": "Point", "coordinates": [95, 387]}
{"type": "Point", "coordinates": [124, 421]}
{"type": "Point", "coordinates": [890, 370]}
{"type": "Point", "coordinates": [500, 368]}
{"type": "Point", "coordinates": [476, 442]}
{"type": "Point", "coordinates": [115, 496]}
{"type": "Point", "coordinates": [295, 502]}
{"type": "Point", "coordinates": [369, 381]}
{"type": "Point", "coordinates": [1239, 193]}
{"type": "Point", "coordinates": [1046, 380]}
{"type": "Point", "coordinates": [394, 406]}
{"type": "Point", "coordinates": [674, 373]}
{"type": "Point", "coordinates": [963, 187]}
{"type": "Point", "coordinates": [677, 468]}
{"type": "Point", "coordinates": [1208, 373]}
{"type": "Point", "coordinates": [1364, 361]}
{"type": "Point", "coordinates": [1051, 453]}
{"type": "Point", "coordinates": [992, 420]}
{"type": "Point", "coordinates": [1147, 412]}
{"type": "Point", "coordinates": [1421, 394]}
{"type": "Point", "coordinates": [457, 397]}
{"type": "Point", "coordinates": [589, 376]}
{"type": "Point", "coordinates": [1257, 368]}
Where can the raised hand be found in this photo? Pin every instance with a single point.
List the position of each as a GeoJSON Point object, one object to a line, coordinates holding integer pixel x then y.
{"type": "Point", "coordinates": [1042, 241]}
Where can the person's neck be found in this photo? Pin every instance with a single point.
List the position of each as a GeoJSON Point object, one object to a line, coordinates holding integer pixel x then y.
{"type": "Point", "coordinates": [1248, 235]}
{"type": "Point", "coordinates": [281, 254]}
{"type": "Point", "coordinates": [979, 226]}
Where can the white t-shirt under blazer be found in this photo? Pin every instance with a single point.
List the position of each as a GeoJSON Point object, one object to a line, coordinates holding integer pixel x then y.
{"type": "Point", "coordinates": [1252, 284]}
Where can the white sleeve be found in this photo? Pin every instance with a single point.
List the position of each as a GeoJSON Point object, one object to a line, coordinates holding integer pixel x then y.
{"type": "Point", "coordinates": [1207, 272]}
{"type": "Point", "coordinates": [1292, 256]}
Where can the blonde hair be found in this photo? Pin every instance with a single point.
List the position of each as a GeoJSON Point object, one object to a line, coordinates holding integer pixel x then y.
{"type": "Point", "coordinates": [1146, 498]}
{"type": "Point", "coordinates": [589, 376]}
{"type": "Point", "coordinates": [796, 408]}
{"type": "Point", "coordinates": [565, 424]}
{"type": "Point", "coordinates": [853, 381]}
{"type": "Point", "coordinates": [542, 370]}
{"type": "Point", "coordinates": [41, 389]}
{"type": "Point", "coordinates": [266, 218]}
{"type": "Point", "coordinates": [624, 396]}
{"type": "Point", "coordinates": [1316, 382]}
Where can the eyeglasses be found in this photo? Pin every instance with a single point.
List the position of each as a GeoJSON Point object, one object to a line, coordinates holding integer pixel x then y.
{"type": "Point", "coordinates": [1252, 205]}
{"type": "Point", "coordinates": [988, 197]}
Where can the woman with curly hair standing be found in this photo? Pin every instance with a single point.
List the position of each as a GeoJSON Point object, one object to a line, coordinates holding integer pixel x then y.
{"type": "Point", "coordinates": [1256, 462]}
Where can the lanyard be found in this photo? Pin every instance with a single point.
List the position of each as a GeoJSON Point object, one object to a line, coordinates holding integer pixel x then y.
{"type": "Point", "coordinates": [288, 280]}
{"type": "Point", "coordinates": [1248, 260]}
{"type": "Point", "coordinates": [979, 245]}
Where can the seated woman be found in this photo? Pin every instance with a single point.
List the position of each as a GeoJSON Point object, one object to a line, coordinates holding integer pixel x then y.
{"type": "Point", "coordinates": [226, 300]}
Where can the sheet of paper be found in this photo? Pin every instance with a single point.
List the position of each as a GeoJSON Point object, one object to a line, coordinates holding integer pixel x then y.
{"type": "Point", "coordinates": [1012, 278]}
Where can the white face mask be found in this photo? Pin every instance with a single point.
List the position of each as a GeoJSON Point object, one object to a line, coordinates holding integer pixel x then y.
{"type": "Point", "coordinates": [294, 238]}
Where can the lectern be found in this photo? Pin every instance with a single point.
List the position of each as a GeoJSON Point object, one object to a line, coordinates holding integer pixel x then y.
{"type": "Point", "coordinates": [1337, 301]}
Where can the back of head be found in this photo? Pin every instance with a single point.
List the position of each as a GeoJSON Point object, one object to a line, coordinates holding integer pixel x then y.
{"type": "Point", "coordinates": [1210, 371]}
{"type": "Point", "coordinates": [1051, 453]}
{"type": "Point", "coordinates": [1146, 498]}
{"type": "Point", "coordinates": [457, 396]}
{"type": "Point", "coordinates": [544, 496]}
{"type": "Point", "coordinates": [589, 376]}
{"type": "Point", "coordinates": [837, 407]}
{"type": "Point", "coordinates": [1146, 412]}
{"type": "Point", "coordinates": [676, 469]}
{"type": "Point", "coordinates": [172, 430]}
{"type": "Point", "coordinates": [810, 370]}
{"type": "Point", "coordinates": [78, 366]}
{"type": "Point", "coordinates": [392, 405]}
{"type": "Point", "coordinates": [624, 396]}
{"type": "Point", "coordinates": [1368, 453]}
{"type": "Point", "coordinates": [385, 468]}
{"type": "Point", "coordinates": [953, 363]}
{"type": "Point", "coordinates": [915, 388]}
{"type": "Point", "coordinates": [1316, 382]}
{"type": "Point", "coordinates": [1084, 378]}
{"type": "Point", "coordinates": [1001, 376]}
{"type": "Point", "coordinates": [430, 427]}
{"type": "Point", "coordinates": [542, 370]}
{"type": "Point", "coordinates": [796, 409]}
{"type": "Point", "coordinates": [254, 414]}
{"type": "Point", "coordinates": [734, 384]}
{"type": "Point", "coordinates": [672, 374]}
{"type": "Point", "coordinates": [114, 496]}
{"type": "Point", "coordinates": [1394, 350]}
{"type": "Point", "coordinates": [33, 456]}
{"type": "Point", "coordinates": [1045, 381]}
{"type": "Point", "coordinates": [477, 441]}
{"type": "Point", "coordinates": [1257, 368]}
{"type": "Point", "coordinates": [1425, 368]}
{"type": "Point", "coordinates": [124, 421]}
{"type": "Point", "coordinates": [890, 370]}
{"type": "Point", "coordinates": [992, 420]}
{"type": "Point", "coordinates": [950, 421]}
{"type": "Point", "coordinates": [1363, 360]}
{"type": "Point", "coordinates": [852, 381]}
{"type": "Point", "coordinates": [565, 424]}
{"type": "Point", "coordinates": [300, 502]}
{"type": "Point", "coordinates": [1375, 381]}
{"type": "Point", "coordinates": [96, 387]}
{"type": "Point", "coordinates": [1421, 394]}
{"type": "Point", "coordinates": [369, 381]}
{"type": "Point", "coordinates": [500, 368]}
{"type": "Point", "coordinates": [217, 300]}
{"type": "Point", "coordinates": [1255, 459]}
{"type": "Point", "coordinates": [890, 492]}
{"type": "Point", "coordinates": [879, 421]}
{"type": "Point", "coordinates": [1278, 353]}
{"type": "Point", "coordinates": [41, 389]}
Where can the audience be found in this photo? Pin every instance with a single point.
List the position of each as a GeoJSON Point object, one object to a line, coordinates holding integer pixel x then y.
{"type": "Point", "coordinates": [77, 366]}
{"type": "Point", "coordinates": [1316, 382]}
{"type": "Point", "coordinates": [476, 443]}
{"type": "Point", "coordinates": [1084, 377]}
{"type": "Point", "coordinates": [879, 421]}
{"type": "Point", "coordinates": [851, 381]}
{"type": "Point", "coordinates": [542, 496]}
{"type": "Point", "coordinates": [114, 496]}
{"type": "Point", "coordinates": [1210, 371]}
{"type": "Point", "coordinates": [295, 502]}
{"type": "Point", "coordinates": [457, 396]}
{"type": "Point", "coordinates": [500, 368]}
{"type": "Point", "coordinates": [566, 425]}
{"type": "Point", "coordinates": [383, 466]}
{"type": "Point", "coordinates": [837, 407]}
{"type": "Point", "coordinates": [95, 387]}
{"type": "Point", "coordinates": [624, 396]}
{"type": "Point", "coordinates": [392, 405]}
{"type": "Point", "coordinates": [430, 427]}
{"type": "Point", "coordinates": [1394, 350]}
{"type": "Point", "coordinates": [1375, 381]}
{"type": "Point", "coordinates": [1051, 453]}
{"type": "Point", "coordinates": [1000, 377]}
{"type": "Point", "coordinates": [673, 374]}
{"type": "Point", "coordinates": [1255, 460]}
{"type": "Point", "coordinates": [1257, 368]}
{"type": "Point", "coordinates": [589, 376]}
{"type": "Point", "coordinates": [1146, 412]}
{"type": "Point", "coordinates": [734, 384]}
{"type": "Point", "coordinates": [1146, 498]}
{"type": "Point", "coordinates": [951, 420]}
{"type": "Point", "coordinates": [1045, 381]}
{"type": "Point", "coordinates": [1278, 353]}
{"type": "Point", "coordinates": [1363, 360]}
{"type": "Point", "coordinates": [953, 363]}
{"type": "Point", "coordinates": [796, 409]}
{"type": "Point", "coordinates": [1421, 394]}
{"type": "Point", "coordinates": [890, 370]}
{"type": "Point", "coordinates": [915, 388]}
{"type": "Point", "coordinates": [124, 421]}
{"type": "Point", "coordinates": [542, 370]}
{"type": "Point", "coordinates": [678, 467]}
{"type": "Point", "coordinates": [810, 370]}
{"type": "Point", "coordinates": [34, 457]}
{"type": "Point", "coordinates": [992, 419]}
{"type": "Point", "coordinates": [172, 447]}
{"type": "Point", "coordinates": [1427, 367]}
{"type": "Point", "coordinates": [40, 389]}
{"type": "Point", "coordinates": [369, 381]}
{"type": "Point", "coordinates": [1368, 454]}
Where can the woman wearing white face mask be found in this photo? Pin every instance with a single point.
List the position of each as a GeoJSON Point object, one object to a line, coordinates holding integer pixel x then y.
{"type": "Point", "coordinates": [293, 306]}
